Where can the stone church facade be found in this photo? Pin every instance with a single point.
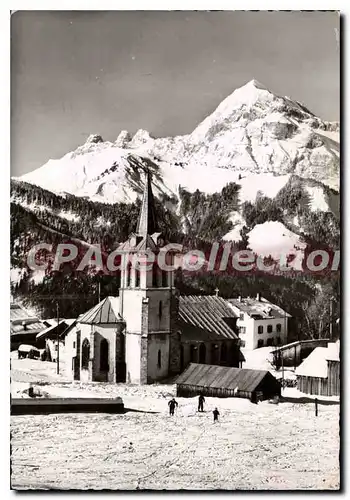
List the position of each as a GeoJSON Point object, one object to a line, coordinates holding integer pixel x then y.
{"type": "Point", "coordinates": [149, 333]}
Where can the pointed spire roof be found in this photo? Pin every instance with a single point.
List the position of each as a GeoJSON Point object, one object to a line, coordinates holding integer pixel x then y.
{"type": "Point", "coordinates": [147, 223]}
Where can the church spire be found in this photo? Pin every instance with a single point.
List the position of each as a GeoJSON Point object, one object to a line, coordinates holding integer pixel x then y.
{"type": "Point", "coordinates": [147, 223]}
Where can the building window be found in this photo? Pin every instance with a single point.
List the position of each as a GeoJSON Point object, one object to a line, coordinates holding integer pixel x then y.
{"type": "Point", "coordinates": [223, 353]}
{"type": "Point", "coordinates": [260, 329]}
{"type": "Point", "coordinates": [164, 279]}
{"type": "Point", "coordinates": [128, 274]}
{"type": "Point", "coordinates": [269, 342]}
{"type": "Point", "coordinates": [202, 353]}
{"type": "Point", "coordinates": [279, 327]}
{"type": "Point", "coordinates": [104, 365]}
{"type": "Point", "coordinates": [193, 354]}
{"type": "Point", "coordinates": [73, 345]}
{"type": "Point", "coordinates": [73, 364]}
{"type": "Point", "coordinates": [154, 275]}
{"type": "Point", "coordinates": [279, 342]}
{"type": "Point", "coordinates": [242, 329]}
{"type": "Point", "coordinates": [241, 316]}
{"type": "Point", "coordinates": [260, 343]}
{"type": "Point", "coordinates": [85, 354]}
{"type": "Point", "coordinates": [160, 310]}
{"type": "Point", "coordinates": [269, 328]}
{"type": "Point", "coordinates": [159, 363]}
{"type": "Point", "coordinates": [137, 278]}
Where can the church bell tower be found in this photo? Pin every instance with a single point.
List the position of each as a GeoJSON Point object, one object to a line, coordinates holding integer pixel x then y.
{"type": "Point", "coordinates": [145, 297]}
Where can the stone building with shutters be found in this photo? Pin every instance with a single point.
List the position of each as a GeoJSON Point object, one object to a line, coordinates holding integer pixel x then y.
{"type": "Point", "coordinates": [149, 332]}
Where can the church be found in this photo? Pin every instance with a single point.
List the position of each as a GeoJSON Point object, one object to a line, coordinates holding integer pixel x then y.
{"type": "Point", "coordinates": [149, 332]}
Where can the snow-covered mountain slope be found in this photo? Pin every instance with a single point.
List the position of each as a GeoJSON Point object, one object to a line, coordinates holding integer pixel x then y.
{"type": "Point", "coordinates": [254, 137]}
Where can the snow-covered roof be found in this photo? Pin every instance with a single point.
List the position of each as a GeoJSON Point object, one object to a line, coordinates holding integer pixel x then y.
{"type": "Point", "coordinates": [63, 325]}
{"type": "Point", "coordinates": [106, 311]}
{"type": "Point", "coordinates": [255, 307]}
{"type": "Point", "coordinates": [27, 348]}
{"type": "Point", "coordinates": [315, 365]}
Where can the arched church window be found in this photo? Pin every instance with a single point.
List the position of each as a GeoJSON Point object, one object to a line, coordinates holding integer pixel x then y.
{"type": "Point", "coordinates": [193, 354]}
{"type": "Point", "coordinates": [159, 363]}
{"type": "Point", "coordinates": [223, 353]}
{"type": "Point", "coordinates": [85, 354]}
{"type": "Point", "coordinates": [137, 278]}
{"type": "Point", "coordinates": [202, 353]}
{"type": "Point", "coordinates": [128, 274]}
{"type": "Point", "coordinates": [104, 365]}
{"type": "Point", "coordinates": [154, 275]}
{"type": "Point", "coordinates": [160, 312]}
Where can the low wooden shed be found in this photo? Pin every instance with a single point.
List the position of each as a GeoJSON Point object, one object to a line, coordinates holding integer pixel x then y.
{"type": "Point", "coordinates": [319, 373]}
{"type": "Point", "coordinates": [225, 382]}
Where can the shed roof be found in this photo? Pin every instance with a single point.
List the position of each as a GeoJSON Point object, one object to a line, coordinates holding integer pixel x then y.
{"type": "Point", "coordinates": [106, 311]}
{"type": "Point", "coordinates": [55, 328]}
{"type": "Point", "coordinates": [222, 377]}
{"type": "Point", "coordinates": [315, 365]}
{"type": "Point", "coordinates": [209, 314]}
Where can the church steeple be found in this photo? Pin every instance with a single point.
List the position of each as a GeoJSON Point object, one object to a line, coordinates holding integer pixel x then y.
{"type": "Point", "coordinates": [147, 223]}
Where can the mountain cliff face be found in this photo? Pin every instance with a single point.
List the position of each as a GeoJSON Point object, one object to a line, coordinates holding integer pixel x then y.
{"type": "Point", "coordinates": [253, 134]}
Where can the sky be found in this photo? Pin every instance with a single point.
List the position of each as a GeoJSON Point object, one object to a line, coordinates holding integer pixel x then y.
{"type": "Point", "coordinates": [75, 73]}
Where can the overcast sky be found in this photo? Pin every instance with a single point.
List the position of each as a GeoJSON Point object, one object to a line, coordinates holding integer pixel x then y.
{"type": "Point", "coordinates": [76, 73]}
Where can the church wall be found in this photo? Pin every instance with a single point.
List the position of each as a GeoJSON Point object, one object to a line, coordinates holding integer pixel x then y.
{"type": "Point", "coordinates": [133, 358]}
{"type": "Point", "coordinates": [85, 375]}
{"type": "Point", "coordinates": [174, 352]}
{"type": "Point", "coordinates": [132, 307]}
{"type": "Point", "coordinates": [107, 332]}
{"type": "Point", "coordinates": [69, 353]}
{"type": "Point", "coordinates": [158, 342]}
{"type": "Point", "coordinates": [157, 322]}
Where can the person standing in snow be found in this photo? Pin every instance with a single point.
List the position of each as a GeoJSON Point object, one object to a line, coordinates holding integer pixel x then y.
{"type": "Point", "coordinates": [201, 400]}
{"type": "Point", "coordinates": [216, 415]}
{"type": "Point", "coordinates": [172, 403]}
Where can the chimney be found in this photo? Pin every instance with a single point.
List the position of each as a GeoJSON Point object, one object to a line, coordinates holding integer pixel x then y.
{"type": "Point", "coordinates": [239, 298]}
{"type": "Point", "coordinates": [258, 297]}
{"type": "Point", "coordinates": [216, 292]}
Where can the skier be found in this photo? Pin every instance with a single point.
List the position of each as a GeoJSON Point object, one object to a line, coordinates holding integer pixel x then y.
{"type": "Point", "coordinates": [172, 403]}
{"type": "Point", "coordinates": [216, 414]}
{"type": "Point", "coordinates": [201, 400]}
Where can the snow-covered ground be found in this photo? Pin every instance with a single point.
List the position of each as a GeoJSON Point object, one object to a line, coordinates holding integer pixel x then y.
{"type": "Point", "coordinates": [253, 447]}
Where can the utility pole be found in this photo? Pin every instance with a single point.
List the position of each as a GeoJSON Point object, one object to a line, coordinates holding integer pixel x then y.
{"type": "Point", "coordinates": [58, 339]}
{"type": "Point", "coordinates": [331, 318]}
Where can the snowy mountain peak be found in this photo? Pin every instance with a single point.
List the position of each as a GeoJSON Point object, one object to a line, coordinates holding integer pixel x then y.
{"type": "Point", "coordinates": [123, 139]}
{"type": "Point", "coordinates": [140, 138]}
{"type": "Point", "coordinates": [94, 139]}
{"type": "Point", "coordinates": [252, 132]}
{"type": "Point", "coordinates": [256, 84]}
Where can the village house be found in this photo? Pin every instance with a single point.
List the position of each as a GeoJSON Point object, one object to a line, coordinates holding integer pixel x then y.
{"type": "Point", "coordinates": [24, 327]}
{"type": "Point", "coordinates": [319, 373]}
{"type": "Point", "coordinates": [260, 323]}
{"type": "Point", "coordinates": [149, 332]}
{"type": "Point", "coordinates": [52, 337]}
